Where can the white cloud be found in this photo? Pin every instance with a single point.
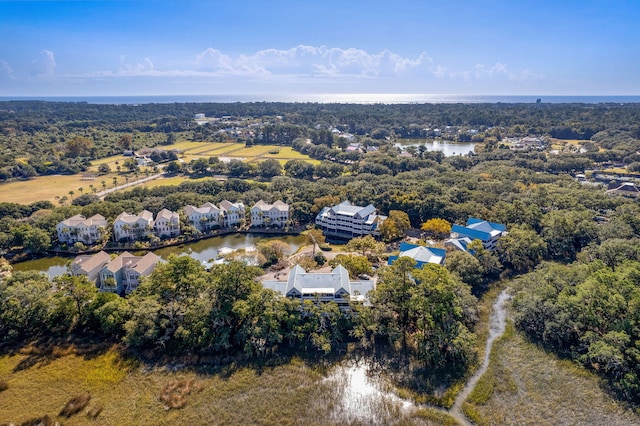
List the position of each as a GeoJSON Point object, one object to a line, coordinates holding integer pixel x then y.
{"type": "Point", "coordinates": [6, 71]}
{"type": "Point", "coordinates": [44, 64]}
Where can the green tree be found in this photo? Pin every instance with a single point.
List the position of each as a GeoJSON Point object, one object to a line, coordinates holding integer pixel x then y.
{"type": "Point", "coordinates": [521, 249]}
{"type": "Point", "coordinates": [395, 225]}
{"type": "Point", "coordinates": [269, 168]}
{"type": "Point", "coordinates": [367, 246]}
{"type": "Point", "coordinates": [356, 265]}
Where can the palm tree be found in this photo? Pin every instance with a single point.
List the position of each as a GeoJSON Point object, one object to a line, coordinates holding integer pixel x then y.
{"type": "Point", "coordinates": [115, 182]}
{"type": "Point", "coordinates": [104, 185]}
{"type": "Point", "coordinates": [71, 194]}
{"type": "Point", "coordinates": [81, 190]}
{"type": "Point", "coordinates": [92, 188]}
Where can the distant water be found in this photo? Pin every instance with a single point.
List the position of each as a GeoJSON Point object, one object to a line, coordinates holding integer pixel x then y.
{"type": "Point", "coordinates": [342, 98]}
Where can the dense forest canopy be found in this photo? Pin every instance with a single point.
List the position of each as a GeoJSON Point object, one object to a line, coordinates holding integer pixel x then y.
{"type": "Point", "coordinates": [572, 250]}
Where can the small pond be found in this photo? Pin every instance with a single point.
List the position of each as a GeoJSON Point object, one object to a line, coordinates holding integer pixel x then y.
{"type": "Point", "coordinates": [446, 147]}
{"type": "Point", "coordinates": [203, 250]}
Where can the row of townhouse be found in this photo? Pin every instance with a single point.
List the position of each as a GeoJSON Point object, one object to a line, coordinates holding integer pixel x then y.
{"type": "Point", "coordinates": [345, 220]}
{"type": "Point", "coordinates": [208, 216]}
{"type": "Point", "coordinates": [133, 227]}
{"type": "Point", "coordinates": [119, 275]}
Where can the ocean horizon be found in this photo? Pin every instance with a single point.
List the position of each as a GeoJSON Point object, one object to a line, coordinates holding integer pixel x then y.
{"type": "Point", "coordinates": [339, 98]}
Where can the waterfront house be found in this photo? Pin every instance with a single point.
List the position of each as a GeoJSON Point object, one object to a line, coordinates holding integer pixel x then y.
{"type": "Point", "coordinates": [276, 214]}
{"type": "Point", "coordinates": [122, 274]}
{"type": "Point", "coordinates": [231, 213]}
{"type": "Point", "coordinates": [80, 229]}
{"type": "Point", "coordinates": [204, 218]}
{"type": "Point", "coordinates": [133, 227]}
{"type": "Point", "coordinates": [333, 286]}
{"type": "Point", "coordinates": [89, 265]}
{"type": "Point", "coordinates": [348, 221]}
{"type": "Point", "coordinates": [167, 224]}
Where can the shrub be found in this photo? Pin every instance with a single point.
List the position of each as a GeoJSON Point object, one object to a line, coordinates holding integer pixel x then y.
{"type": "Point", "coordinates": [39, 421]}
{"type": "Point", "coordinates": [174, 394]}
{"type": "Point", "coordinates": [94, 412]}
{"type": "Point", "coordinates": [75, 405]}
{"type": "Point", "coordinates": [3, 385]}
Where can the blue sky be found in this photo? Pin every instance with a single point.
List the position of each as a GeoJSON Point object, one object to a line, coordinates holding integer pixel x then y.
{"type": "Point", "coordinates": [243, 47]}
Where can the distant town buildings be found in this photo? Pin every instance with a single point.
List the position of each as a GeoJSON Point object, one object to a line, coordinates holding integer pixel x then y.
{"type": "Point", "coordinates": [348, 221]}
{"type": "Point", "coordinates": [334, 286]}
{"type": "Point", "coordinates": [80, 229]}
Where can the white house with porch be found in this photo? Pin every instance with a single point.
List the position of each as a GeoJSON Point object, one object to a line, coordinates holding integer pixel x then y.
{"type": "Point", "coordinates": [231, 213]}
{"type": "Point", "coordinates": [133, 227]}
{"type": "Point", "coordinates": [204, 218]}
{"type": "Point", "coordinates": [263, 214]}
{"type": "Point", "coordinates": [167, 224]}
{"type": "Point", "coordinates": [80, 229]}
{"type": "Point", "coordinates": [333, 286]}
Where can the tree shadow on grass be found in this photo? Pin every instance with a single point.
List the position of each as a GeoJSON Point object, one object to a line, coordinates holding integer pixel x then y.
{"type": "Point", "coordinates": [46, 350]}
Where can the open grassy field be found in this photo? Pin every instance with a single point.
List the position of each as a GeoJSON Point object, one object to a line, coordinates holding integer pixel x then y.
{"type": "Point", "coordinates": [48, 187]}
{"type": "Point", "coordinates": [170, 181]}
{"type": "Point", "coordinates": [526, 385]}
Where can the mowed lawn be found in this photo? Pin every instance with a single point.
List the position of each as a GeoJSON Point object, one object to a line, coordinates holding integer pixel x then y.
{"type": "Point", "coordinates": [50, 187]}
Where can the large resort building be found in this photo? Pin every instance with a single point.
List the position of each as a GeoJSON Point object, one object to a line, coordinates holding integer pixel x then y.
{"type": "Point", "coordinates": [476, 229]}
{"type": "Point", "coordinates": [334, 286]}
{"type": "Point", "coordinates": [348, 221]}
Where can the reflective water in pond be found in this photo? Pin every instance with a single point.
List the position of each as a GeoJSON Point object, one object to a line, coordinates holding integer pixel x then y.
{"type": "Point", "coordinates": [447, 148]}
{"type": "Point", "coordinates": [203, 250]}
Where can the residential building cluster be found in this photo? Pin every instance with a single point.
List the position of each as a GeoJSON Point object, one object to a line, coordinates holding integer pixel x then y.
{"type": "Point", "coordinates": [120, 275]}
{"type": "Point", "coordinates": [166, 224]}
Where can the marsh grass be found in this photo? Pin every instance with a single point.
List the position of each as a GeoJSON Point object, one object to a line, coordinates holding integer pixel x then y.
{"type": "Point", "coordinates": [526, 385]}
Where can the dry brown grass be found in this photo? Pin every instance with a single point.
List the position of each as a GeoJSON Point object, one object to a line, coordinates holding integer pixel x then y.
{"type": "Point", "coordinates": [174, 393]}
{"type": "Point", "coordinates": [40, 421]}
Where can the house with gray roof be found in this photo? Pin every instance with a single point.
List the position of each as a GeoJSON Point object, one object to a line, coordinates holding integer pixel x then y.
{"type": "Point", "coordinates": [276, 214]}
{"type": "Point", "coordinates": [133, 227]}
{"type": "Point", "coordinates": [231, 213]}
{"type": "Point", "coordinates": [167, 224]}
{"type": "Point", "coordinates": [122, 274]}
{"type": "Point", "coordinates": [345, 220]}
{"type": "Point", "coordinates": [89, 265]}
{"type": "Point", "coordinates": [334, 286]}
{"type": "Point", "coordinates": [203, 218]}
{"type": "Point", "coordinates": [81, 229]}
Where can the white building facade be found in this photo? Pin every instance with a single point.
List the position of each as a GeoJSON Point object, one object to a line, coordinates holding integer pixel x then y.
{"type": "Point", "coordinates": [263, 214]}
{"type": "Point", "coordinates": [348, 221]}
{"type": "Point", "coordinates": [80, 229]}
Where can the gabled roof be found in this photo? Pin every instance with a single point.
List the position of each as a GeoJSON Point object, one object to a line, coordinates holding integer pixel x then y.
{"type": "Point", "coordinates": [420, 254]}
{"type": "Point", "coordinates": [276, 206]}
{"type": "Point", "coordinates": [142, 264]}
{"type": "Point", "coordinates": [458, 243]}
{"type": "Point", "coordinates": [88, 263]}
{"type": "Point", "coordinates": [78, 219]}
{"type": "Point", "coordinates": [478, 229]}
{"type": "Point", "coordinates": [166, 214]}
{"type": "Point", "coordinates": [228, 205]}
{"type": "Point", "coordinates": [145, 215]}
